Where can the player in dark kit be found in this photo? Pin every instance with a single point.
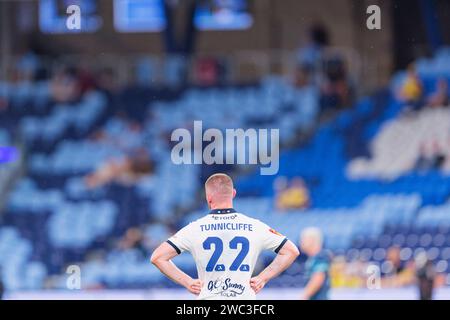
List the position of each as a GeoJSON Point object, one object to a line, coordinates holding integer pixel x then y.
{"type": "Point", "coordinates": [317, 266]}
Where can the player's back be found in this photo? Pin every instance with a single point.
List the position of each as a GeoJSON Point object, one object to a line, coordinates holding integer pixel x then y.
{"type": "Point", "coordinates": [225, 246]}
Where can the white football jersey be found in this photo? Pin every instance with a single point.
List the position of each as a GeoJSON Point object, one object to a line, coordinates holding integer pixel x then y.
{"type": "Point", "coordinates": [225, 246]}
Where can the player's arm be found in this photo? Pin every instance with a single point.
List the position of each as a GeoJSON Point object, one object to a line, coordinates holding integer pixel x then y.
{"type": "Point", "coordinates": [314, 284]}
{"type": "Point", "coordinates": [162, 259]}
{"type": "Point", "coordinates": [285, 256]}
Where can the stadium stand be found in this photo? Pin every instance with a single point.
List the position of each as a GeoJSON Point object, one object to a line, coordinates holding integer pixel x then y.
{"type": "Point", "coordinates": [364, 198]}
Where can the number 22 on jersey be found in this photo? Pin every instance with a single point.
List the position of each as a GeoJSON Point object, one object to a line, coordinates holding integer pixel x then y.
{"type": "Point", "coordinates": [218, 250]}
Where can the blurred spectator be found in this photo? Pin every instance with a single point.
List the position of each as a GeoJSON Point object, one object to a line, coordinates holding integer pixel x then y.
{"type": "Point", "coordinates": [317, 266]}
{"type": "Point", "coordinates": [426, 275]}
{"type": "Point", "coordinates": [310, 57]}
{"type": "Point", "coordinates": [438, 156]}
{"type": "Point", "coordinates": [28, 65]}
{"type": "Point", "coordinates": [304, 75]}
{"type": "Point", "coordinates": [86, 80]}
{"type": "Point", "coordinates": [439, 97]}
{"type": "Point", "coordinates": [107, 81]}
{"type": "Point", "coordinates": [393, 257]}
{"type": "Point", "coordinates": [311, 54]}
{"type": "Point", "coordinates": [121, 133]}
{"type": "Point", "coordinates": [336, 91]}
{"type": "Point", "coordinates": [397, 273]}
{"type": "Point", "coordinates": [430, 160]}
{"type": "Point", "coordinates": [126, 170]}
{"type": "Point", "coordinates": [411, 90]}
{"type": "Point", "coordinates": [133, 239]}
{"type": "Point", "coordinates": [65, 86]}
{"type": "Point", "coordinates": [293, 196]}
{"type": "Point", "coordinates": [425, 160]}
{"type": "Point", "coordinates": [209, 72]}
{"type": "Point", "coordinates": [347, 274]}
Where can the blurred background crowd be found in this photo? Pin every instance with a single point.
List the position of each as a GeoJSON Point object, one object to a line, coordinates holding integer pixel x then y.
{"type": "Point", "coordinates": [363, 115]}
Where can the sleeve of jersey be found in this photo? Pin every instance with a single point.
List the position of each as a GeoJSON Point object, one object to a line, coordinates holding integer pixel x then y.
{"type": "Point", "coordinates": [273, 240]}
{"type": "Point", "coordinates": [181, 240]}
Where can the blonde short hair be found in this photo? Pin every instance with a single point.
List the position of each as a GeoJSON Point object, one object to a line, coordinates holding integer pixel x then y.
{"type": "Point", "coordinates": [312, 233]}
{"type": "Point", "coordinates": [219, 185]}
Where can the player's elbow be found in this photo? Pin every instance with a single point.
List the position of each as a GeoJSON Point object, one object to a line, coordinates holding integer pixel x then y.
{"type": "Point", "coordinates": [292, 251]}
{"type": "Point", "coordinates": [155, 258]}
{"type": "Point", "coordinates": [295, 252]}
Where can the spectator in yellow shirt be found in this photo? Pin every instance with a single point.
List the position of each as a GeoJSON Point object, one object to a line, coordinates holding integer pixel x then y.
{"type": "Point", "coordinates": [295, 196]}
{"type": "Point", "coordinates": [411, 91]}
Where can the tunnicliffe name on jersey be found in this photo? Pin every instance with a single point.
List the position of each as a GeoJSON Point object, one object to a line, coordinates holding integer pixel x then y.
{"type": "Point", "coordinates": [226, 226]}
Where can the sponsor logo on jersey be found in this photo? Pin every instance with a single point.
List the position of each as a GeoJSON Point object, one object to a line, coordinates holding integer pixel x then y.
{"type": "Point", "coordinates": [225, 288]}
{"type": "Point", "coordinates": [227, 217]}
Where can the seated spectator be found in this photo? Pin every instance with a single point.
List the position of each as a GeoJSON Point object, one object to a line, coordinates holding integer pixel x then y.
{"type": "Point", "coordinates": [86, 80]}
{"type": "Point", "coordinates": [438, 156]}
{"type": "Point", "coordinates": [28, 65]}
{"type": "Point", "coordinates": [107, 81]}
{"type": "Point", "coordinates": [393, 257]}
{"type": "Point", "coordinates": [397, 273]}
{"type": "Point", "coordinates": [425, 160]}
{"type": "Point", "coordinates": [303, 76]}
{"type": "Point", "coordinates": [64, 86]}
{"type": "Point", "coordinates": [121, 133]}
{"type": "Point", "coordinates": [336, 91]}
{"type": "Point", "coordinates": [430, 160]}
{"type": "Point", "coordinates": [133, 239]}
{"type": "Point", "coordinates": [295, 196]}
{"type": "Point", "coordinates": [209, 72]}
{"type": "Point", "coordinates": [411, 90]}
{"type": "Point", "coordinates": [125, 171]}
{"type": "Point", "coordinates": [347, 274]}
{"type": "Point", "coordinates": [439, 97]}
